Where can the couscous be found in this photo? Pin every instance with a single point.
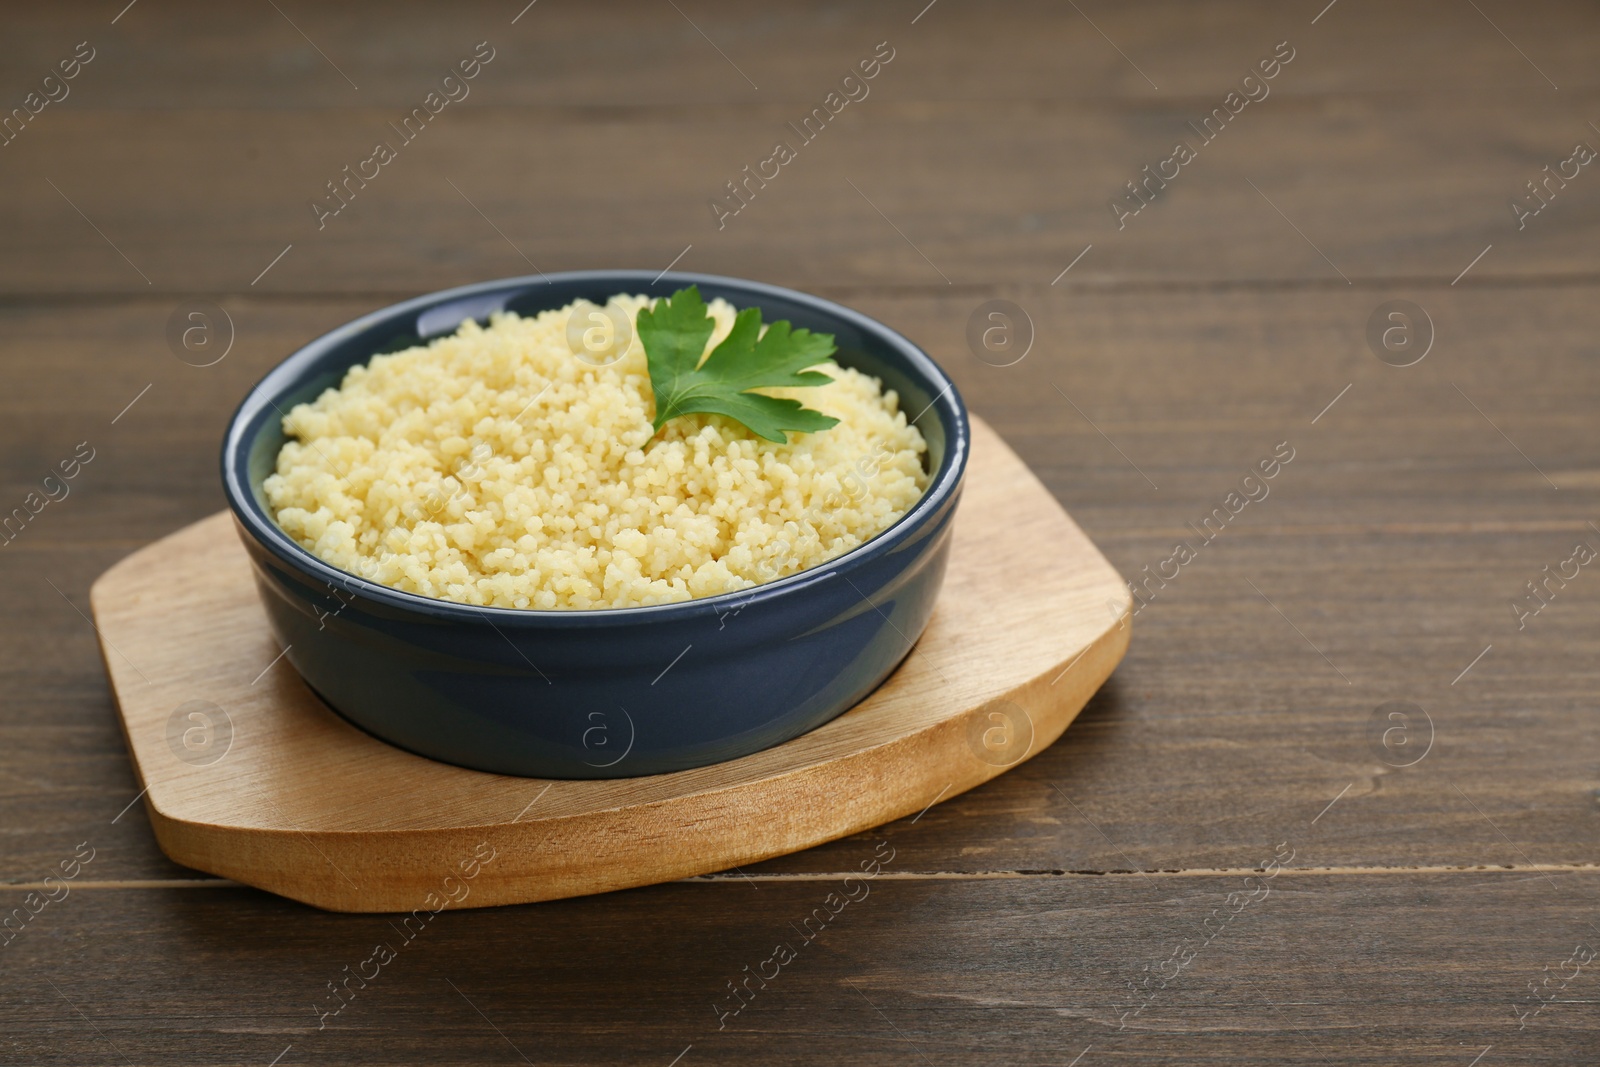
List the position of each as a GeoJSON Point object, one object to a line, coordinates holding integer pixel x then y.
{"type": "Point", "coordinates": [496, 467]}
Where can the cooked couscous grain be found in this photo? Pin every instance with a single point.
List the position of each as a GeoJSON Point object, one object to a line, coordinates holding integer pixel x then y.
{"type": "Point", "coordinates": [495, 467]}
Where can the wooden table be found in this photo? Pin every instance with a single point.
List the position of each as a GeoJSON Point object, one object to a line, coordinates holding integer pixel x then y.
{"type": "Point", "coordinates": [1237, 854]}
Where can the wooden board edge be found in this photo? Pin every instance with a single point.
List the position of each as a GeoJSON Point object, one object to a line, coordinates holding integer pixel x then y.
{"type": "Point", "coordinates": [604, 851]}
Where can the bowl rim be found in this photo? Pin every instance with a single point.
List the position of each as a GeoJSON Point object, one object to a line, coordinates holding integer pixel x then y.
{"type": "Point", "coordinates": [945, 482]}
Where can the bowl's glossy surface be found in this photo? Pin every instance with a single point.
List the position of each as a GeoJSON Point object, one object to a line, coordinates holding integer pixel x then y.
{"type": "Point", "coordinates": [607, 693]}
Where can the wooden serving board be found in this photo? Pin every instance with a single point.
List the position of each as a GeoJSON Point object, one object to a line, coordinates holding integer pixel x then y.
{"type": "Point", "coordinates": [250, 776]}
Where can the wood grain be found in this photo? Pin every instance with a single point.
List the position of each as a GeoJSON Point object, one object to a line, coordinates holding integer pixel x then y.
{"type": "Point", "coordinates": [1367, 969]}
{"type": "Point", "coordinates": [1205, 331]}
{"type": "Point", "coordinates": [1394, 541]}
{"type": "Point", "coordinates": [207, 201]}
{"type": "Point", "coordinates": [1032, 49]}
{"type": "Point", "coordinates": [995, 174]}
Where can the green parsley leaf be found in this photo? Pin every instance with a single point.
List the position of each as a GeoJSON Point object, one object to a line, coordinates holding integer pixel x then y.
{"type": "Point", "coordinates": [674, 333]}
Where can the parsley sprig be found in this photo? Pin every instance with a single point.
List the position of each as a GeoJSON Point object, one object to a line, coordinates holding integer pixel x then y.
{"type": "Point", "coordinates": [674, 333]}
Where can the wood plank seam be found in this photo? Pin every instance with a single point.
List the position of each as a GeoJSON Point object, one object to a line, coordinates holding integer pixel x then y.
{"type": "Point", "coordinates": [929, 876]}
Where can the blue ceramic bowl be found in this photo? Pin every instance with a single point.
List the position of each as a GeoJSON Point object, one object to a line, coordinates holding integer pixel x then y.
{"type": "Point", "coordinates": [606, 693]}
